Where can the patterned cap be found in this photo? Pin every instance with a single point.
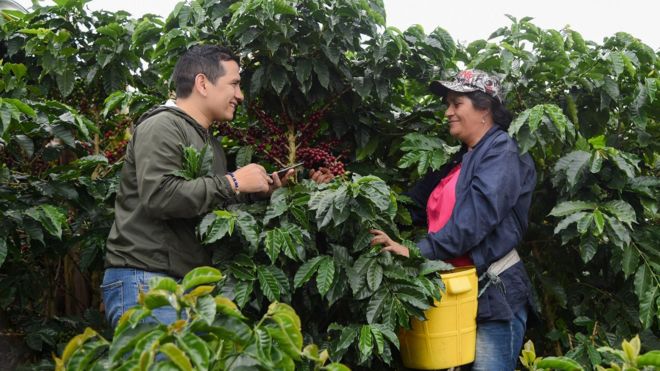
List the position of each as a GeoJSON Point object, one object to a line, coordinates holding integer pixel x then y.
{"type": "Point", "coordinates": [468, 81]}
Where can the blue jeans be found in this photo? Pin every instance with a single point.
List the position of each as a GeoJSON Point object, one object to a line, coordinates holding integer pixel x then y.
{"type": "Point", "coordinates": [499, 343]}
{"type": "Point", "coordinates": [120, 290]}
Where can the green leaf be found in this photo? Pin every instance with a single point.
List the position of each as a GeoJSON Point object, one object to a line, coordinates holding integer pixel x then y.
{"type": "Point", "coordinates": [65, 134]}
{"type": "Point", "coordinates": [177, 356]}
{"type": "Point", "coordinates": [362, 86]}
{"type": "Point", "coordinates": [283, 7]}
{"type": "Point", "coordinates": [332, 52]}
{"type": "Point", "coordinates": [617, 62]}
{"type": "Point", "coordinates": [244, 156]}
{"type": "Point", "coordinates": [65, 82]}
{"type": "Point", "coordinates": [21, 107]}
{"type": "Point", "coordinates": [248, 227]}
{"type": "Point", "coordinates": [650, 358]}
{"type": "Point", "coordinates": [278, 205]}
{"type": "Point", "coordinates": [268, 284]}
{"type": "Point", "coordinates": [559, 363]}
{"type": "Point", "coordinates": [273, 243]}
{"type": "Point", "coordinates": [651, 88]}
{"type": "Point", "coordinates": [597, 142]}
{"type": "Point", "coordinates": [518, 122]}
{"type": "Point", "coordinates": [222, 224]}
{"type": "Point", "coordinates": [196, 349]}
{"type": "Point", "coordinates": [599, 221]}
{"type": "Point", "coordinates": [335, 367]}
{"type": "Point", "coordinates": [630, 261]}
{"type": "Point", "coordinates": [388, 333]}
{"type": "Point", "coordinates": [3, 251]}
{"type": "Point", "coordinates": [365, 343]}
{"type": "Point", "coordinates": [348, 335]}
{"type": "Point", "coordinates": [278, 78]}
{"type": "Point", "coordinates": [322, 73]}
{"type": "Point", "coordinates": [200, 276]}
{"type": "Point", "coordinates": [585, 222]}
{"type": "Point", "coordinates": [535, 116]}
{"type": "Point", "coordinates": [158, 298]}
{"type": "Point", "coordinates": [287, 334]}
{"type": "Point", "coordinates": [570, 207]}
{"type": "Point", "coordinates": [375, 306]}
{"type": "Point", "coordinates": [374, 275]}
{"type": "Point", "coordinates": [303, 70]}
{"type": "Point", "coordinates": [596, 162]}
{"type": "Point", "coordinates": [572, 164]}
{"type": "Point", "coordinates": [623, 164]}
{"type": "Point", "coordinates": [588, 249]}
{"type": "Point", "coordinates": [558, 119]}
{"type": "Point", "coordinates": [242, 292]}
{"type": "Point", "coordinates": [264, 344]}
{"type": "Point", "coordinates": [569, 220]}
{"type": "Point", "coordinates": [126, 337]}
{"type": "Point", "coordinates": [611, 88]}
{"type": "Point", "coordinates": [306, 271]}
{"type": "Point", "coordinates": [622, 211]}
{"type": "Point", "coordinates": [26, 144]}
{"type": "Point", "coordinates": [256, 81]}
{"type": "Point", "coordinates": [621, 236]}
{"type": "Point", "coordinates": [51, 218]}
{"type": "Point", "coordinates": [647, 290]}
{"type": "Point", "coordinates": [325, 276]}
{"type": "Point", "coordinates": [648, 306]}
{"type": "Point", "coordinates": [379, 339]}
{"type": "Point", "coordinates": [433, 266]}
{"type": "Point", "coordinates": [206, 308]}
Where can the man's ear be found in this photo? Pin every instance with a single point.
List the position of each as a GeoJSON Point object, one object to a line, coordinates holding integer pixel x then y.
{"type": "Point", "coordinates": [201, 84]}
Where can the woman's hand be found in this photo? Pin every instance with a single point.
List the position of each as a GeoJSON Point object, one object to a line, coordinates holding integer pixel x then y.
{"type": "Point", "coordinates": [322, 175]}
{"type": "Point", "coordinates": [381, 238]}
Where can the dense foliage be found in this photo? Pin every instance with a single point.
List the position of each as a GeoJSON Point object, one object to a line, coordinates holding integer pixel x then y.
{"type": "Point", "coordinates": [328, 83]}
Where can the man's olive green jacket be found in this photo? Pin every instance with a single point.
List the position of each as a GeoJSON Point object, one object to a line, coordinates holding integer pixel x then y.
{"type": "Point", "coordinates": [156, 212]}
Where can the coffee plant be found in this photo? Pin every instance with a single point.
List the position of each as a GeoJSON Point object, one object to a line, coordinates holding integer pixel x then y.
{"type": "Point", "coordinates": [210, 334]}
{"type": "Point", "coordinates": [626, 358]}
{"type": "Point", "coordinates": [327, 83]}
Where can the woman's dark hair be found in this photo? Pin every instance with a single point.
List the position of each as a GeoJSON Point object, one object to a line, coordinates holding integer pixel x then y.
{"type": "Point", "coordinates": [204, 59]}
{"type": "Point", "coordinates": [483, 101]}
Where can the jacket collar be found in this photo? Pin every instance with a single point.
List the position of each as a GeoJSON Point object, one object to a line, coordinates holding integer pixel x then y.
{"type": "Point", "coordinates": [492, 131]}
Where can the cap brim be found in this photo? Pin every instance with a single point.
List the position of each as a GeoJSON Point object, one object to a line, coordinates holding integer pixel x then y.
{"type": "Point", "coordinates": [441, 88]}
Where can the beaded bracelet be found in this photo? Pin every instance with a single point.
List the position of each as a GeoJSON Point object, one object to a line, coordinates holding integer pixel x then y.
{"type": "Point", "coordinates": [233, 178]}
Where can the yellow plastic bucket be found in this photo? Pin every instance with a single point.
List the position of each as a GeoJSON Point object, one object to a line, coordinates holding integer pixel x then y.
{"type": "Point", "coordinates": [448, 337]}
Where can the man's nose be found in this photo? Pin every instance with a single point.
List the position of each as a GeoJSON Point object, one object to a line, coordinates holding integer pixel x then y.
{"type": "Point", "coordinates": [239, 95]}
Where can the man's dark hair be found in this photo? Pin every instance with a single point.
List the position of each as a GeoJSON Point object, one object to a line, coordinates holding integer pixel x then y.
{"type": "Point", "coordinates": [204, 59]}
{"type": "Point", "coordinates": [482, 101]}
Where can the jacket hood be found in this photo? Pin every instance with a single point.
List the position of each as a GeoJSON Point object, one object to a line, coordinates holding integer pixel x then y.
{"type": "Point", "coordinates": [175, 111]}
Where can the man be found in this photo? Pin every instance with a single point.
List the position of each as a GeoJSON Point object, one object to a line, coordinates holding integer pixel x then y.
{"type": "Point", "coordinates": [155, 211]}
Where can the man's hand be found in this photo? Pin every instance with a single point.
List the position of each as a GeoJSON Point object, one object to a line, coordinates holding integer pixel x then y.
{"type": "Point", "coordinates": [322, 175]}
{"type": "Point", "coordinates": [381, 238]}
{"type": "Point", "coordinates": [251, 178]}
{"type": "Point", "coordinates": [277, 182]}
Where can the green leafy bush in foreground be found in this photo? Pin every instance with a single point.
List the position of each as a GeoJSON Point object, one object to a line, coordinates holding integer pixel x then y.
{"type": "Point", "coordinates": [210, 334]}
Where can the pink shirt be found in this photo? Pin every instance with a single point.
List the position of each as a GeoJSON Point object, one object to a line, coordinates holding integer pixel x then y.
{"type": "Point", "coordinates": [440, 206]}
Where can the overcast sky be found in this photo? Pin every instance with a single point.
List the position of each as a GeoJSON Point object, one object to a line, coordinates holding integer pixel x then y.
{"type": "Point", "coordinates": [476, 19]}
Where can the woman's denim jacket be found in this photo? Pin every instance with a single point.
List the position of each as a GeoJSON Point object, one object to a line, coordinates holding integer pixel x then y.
{"type": "Point", "coordinates": [493, 196]}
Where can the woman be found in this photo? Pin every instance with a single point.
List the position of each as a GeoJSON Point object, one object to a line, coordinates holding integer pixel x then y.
{"type": "Point", "coordinates": [476, 210]}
